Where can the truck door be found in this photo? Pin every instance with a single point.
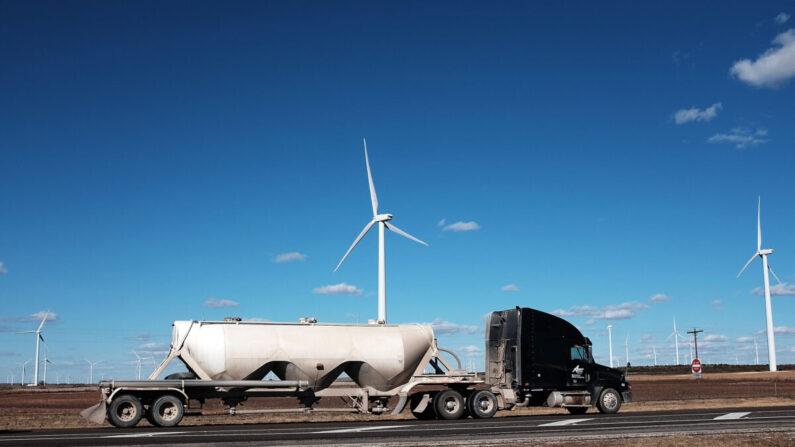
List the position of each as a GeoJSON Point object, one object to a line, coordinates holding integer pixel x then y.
{"type": "Point", "coordinates": [579, 366]}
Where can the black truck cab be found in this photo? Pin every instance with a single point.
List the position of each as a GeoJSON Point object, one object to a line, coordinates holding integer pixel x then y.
{"type": "Point", "coordinates": [547, 361]}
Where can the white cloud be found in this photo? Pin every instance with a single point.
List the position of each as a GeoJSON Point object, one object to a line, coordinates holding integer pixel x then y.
{"type": "Point", "coordinates": [745, 339]}
{"type": "Point", "coordinates": [441, 223]}
{"type": "Point", "coordinates": [2, 269]}
{"type": "Point", "coordinates": [212, 302]}
{"type": "Point", "coordinates": [442, 327]}
{"type": "Point", "coordinates": [778, 289]}
{"type": "Point", "coordinates": [715, 337]}
{"type": "Point", "coordinates": [784, 330]}
{"type": "Point", "coordinates": [470, 351]}
{"type": "Point", "coordinates": [646, 338]}
{"type": "Point", "coordinates": [510, 288]}
{"type": "Point", "coordinates": [774, 67]}
{"type": "Point", "coordinates": [621, 311]}
{"type": "Point", "coordinates": [695, 114]}
{"type": "Point", "coordinates": [740, 137]}
{"type": "Point", "coordinates": [152, 348]}
{"type": "Point", "coordinates": [141, 336]}
{"type": "Point", "coordinates": [782, 17]}
{"type": "Point", "coordinates": [715, 302]}
{"type": "Point", "coordinates": [462, 226]}
{"type": "Point", "coordinates": [38, 316]}
{"type": "Point", "coordinates": [338, 289]}
{"type": "Point", "coordinates": [289, 257]}
{"type": "Point", "coordinates": [659, 298]}
{"type": "Point", "coordinates": [257, 320]}
{"type": "Point", "coordinates": [717, 305]}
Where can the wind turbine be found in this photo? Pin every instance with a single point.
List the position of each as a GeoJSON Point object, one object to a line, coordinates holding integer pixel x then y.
{"type": "Point", "coordinates": [610, 342]}
{"type": "Point", "coordinates": [138, 364]}
{"type": "Point", "coordinates": [39, 339]}
{"type": "Point", "coordinates": [762, 253]}
{"type": "Point", "coordinates": [23, 365]}
{"type": "Point", "coordinates": [675, 334]}
{"type": "Point", "coordinates": [756, 348]}
{"type": "Point", "coordinates": [381, 220]}
{"type": "Point", "coordinates": [46, 361]}
{"type": "Point", "coordinates": [626, 347]}
{"type": "Point", "coordinates": [91, 370]}
{"type": "Point", "coordinates": [654, 350]}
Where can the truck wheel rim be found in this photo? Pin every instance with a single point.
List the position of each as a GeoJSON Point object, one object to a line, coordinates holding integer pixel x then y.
{"type": "Point", "coordinates": [451, 404]}
{"type": "Point", "coordinates": [484, 404]}
{"type": "Point", "coordinates": [168, 412]}
{"type": "Point", "coordinates": [609, 400]}
{"type": "Point", "coordinates": [127, 412]}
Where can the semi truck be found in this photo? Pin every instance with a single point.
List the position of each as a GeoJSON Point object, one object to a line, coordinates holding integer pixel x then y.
{"type": "Point", "coordinates": [532, 359]}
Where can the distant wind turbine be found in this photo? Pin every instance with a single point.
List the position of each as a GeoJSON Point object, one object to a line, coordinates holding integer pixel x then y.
{"type": "Point", "coordinates": [91, 370]}
{"type": "Point", "coordinates": [39, 339]}
{"type": "Point", "coordinates": [610, 342]}
{"type": "Point", "coordinates": [654, 350]}
{"type": "Point", "coordinates": [756, 348]}
{"type": "Point", "coordinates": [23, 365]}
{"type": "Point", "coordinates": [626, 347]}
{"type": "Point", "coordinates": [762, 253]}
{"type": "Point", "coordinates": [381, 220]}
{"type": "Point", "coordinates": [46, 361]}
{"type": "Point", "coordinates": [676, 335]}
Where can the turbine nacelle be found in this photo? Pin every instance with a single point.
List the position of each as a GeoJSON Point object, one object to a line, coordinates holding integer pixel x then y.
{"type": "Point", "coordinates": [766, 251]}
{"type": "Point", "coordinates": [383, 217]}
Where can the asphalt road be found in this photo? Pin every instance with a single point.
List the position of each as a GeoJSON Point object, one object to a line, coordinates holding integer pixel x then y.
{"type": "Point", "coordinates": [413, 432]}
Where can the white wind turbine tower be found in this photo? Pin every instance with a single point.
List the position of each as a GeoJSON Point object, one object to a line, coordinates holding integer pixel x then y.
{"type": "Point", "coordinates": [91, 370]}
{"type": "Point", "coordinates": [23, 365]}
{"type": "Point", "coordinates": [762, 253]}
{"type": "Point", "coordinates": [382, 220]}
{"type": "Point", "coordinates": [610, 342]}
{"type": "Point", "coordinates": [39, 339]}
{"type": "Point", "coordinates": [756, 348]}
{"type": "Point", "coordinates": [654, 350]}
{"type": "Point", "coordinates": [675, 334]}
{"type": "Point", "coordinates": [138, 365]}
{"type": "Point", "coordinates": [626, 347]}
{"type": "Point", "coordinates": [46, 361]}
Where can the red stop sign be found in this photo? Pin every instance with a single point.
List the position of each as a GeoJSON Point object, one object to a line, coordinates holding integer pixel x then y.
{"type": "Point", "coordinates": [696, 366]}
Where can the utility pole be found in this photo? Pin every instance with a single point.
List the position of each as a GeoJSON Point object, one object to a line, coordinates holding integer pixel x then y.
{"type": "Point", "coordinates": [695, 333]}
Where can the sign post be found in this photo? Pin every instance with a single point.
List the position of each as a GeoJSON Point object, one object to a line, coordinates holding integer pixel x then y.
{"type": "Point", "coordinates": [695, 367]}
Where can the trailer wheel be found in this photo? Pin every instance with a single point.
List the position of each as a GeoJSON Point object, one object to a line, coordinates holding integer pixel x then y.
{"type": "Point", "coordinates": [609, 401]}
{"type": "Point", "coordinates": [449, 404]}
{"type": "Point", "coordinates": [167, 411]}
{"type": "Point", "coordinates": [482, 404]}
{"type": "Point", "coordinates": [125, 411]}
{"type": "Point", "coordinates": [577, 410]}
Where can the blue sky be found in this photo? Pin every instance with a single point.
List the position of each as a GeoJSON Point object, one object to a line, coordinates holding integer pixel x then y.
{"type": "Point", "coordinates": [157, 158]}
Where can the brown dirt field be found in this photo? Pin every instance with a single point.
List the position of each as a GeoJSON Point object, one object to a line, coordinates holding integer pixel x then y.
{"type": "Point", "coordinates": [25, 408]}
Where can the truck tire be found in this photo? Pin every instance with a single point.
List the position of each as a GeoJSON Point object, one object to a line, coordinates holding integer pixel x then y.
{"type": "Point", "coordinates": [577, 410]}
{"type": "Point", "coordinates": [167, 411]}
{"type": "Point", "coordinates": [482, 404]}
{"type": "Point", "coordinates": [449, 405]}
{"type": "Point", "coordinates": [609, 401]}
{"type": "Point", "coordinates": [181, 376]}
{"type": "Point", "coordinates": [425, 414]}
{"type": "Point", "coordinates": [125, 411]}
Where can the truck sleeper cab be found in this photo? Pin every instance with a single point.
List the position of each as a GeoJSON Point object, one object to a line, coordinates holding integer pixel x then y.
{"type": "Point", "coordinates": [546, 361]}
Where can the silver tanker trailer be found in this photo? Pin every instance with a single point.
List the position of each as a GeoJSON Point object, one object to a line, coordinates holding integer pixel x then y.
{"type": "Point", "coordinates": [532, 358]}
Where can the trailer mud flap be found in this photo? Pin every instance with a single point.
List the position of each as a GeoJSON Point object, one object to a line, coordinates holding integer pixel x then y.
{"type": "Point", "coordinates": [96, 413]}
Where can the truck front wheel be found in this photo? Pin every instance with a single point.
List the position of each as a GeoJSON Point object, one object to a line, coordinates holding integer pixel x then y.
{"type": "Point", "coordinates": [482, 404]}
{"type": "Point", "coordinates": [167, 411]}
{"type": "Point", "coordinates": [449, 404]}
{"type": "Point", "coordinates": [125, 411]}
{"type": "Point", "coordinates": [609, 401]}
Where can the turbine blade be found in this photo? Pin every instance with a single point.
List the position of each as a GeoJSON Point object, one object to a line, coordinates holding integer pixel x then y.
{"type": "Point", "coordinates": [748, 263]}
{"type": "Point", "coordinates": [773, 273]}
{"type": "Point", "coordinates": [373, 197]}
{"type": "Point", "coordinates": [759, 225]}
{"type": "Point", "coordinates": [403, 233]}
{"type": "Point", "coordinates": [42, 338]}
{"type": "Point", "coordinates": [361, 235]}
{"type": "Point", "coordinates": [27, 332]}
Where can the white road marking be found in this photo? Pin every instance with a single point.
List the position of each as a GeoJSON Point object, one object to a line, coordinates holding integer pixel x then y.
{"type": "Point", "coordinates": [360, 429]}
{"type": "Point", "coordinates": [146, 435]}
{"type": "Point", "coordinates": [563, 422]}
{"type": "Point", "coordinates": [732, 415]}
